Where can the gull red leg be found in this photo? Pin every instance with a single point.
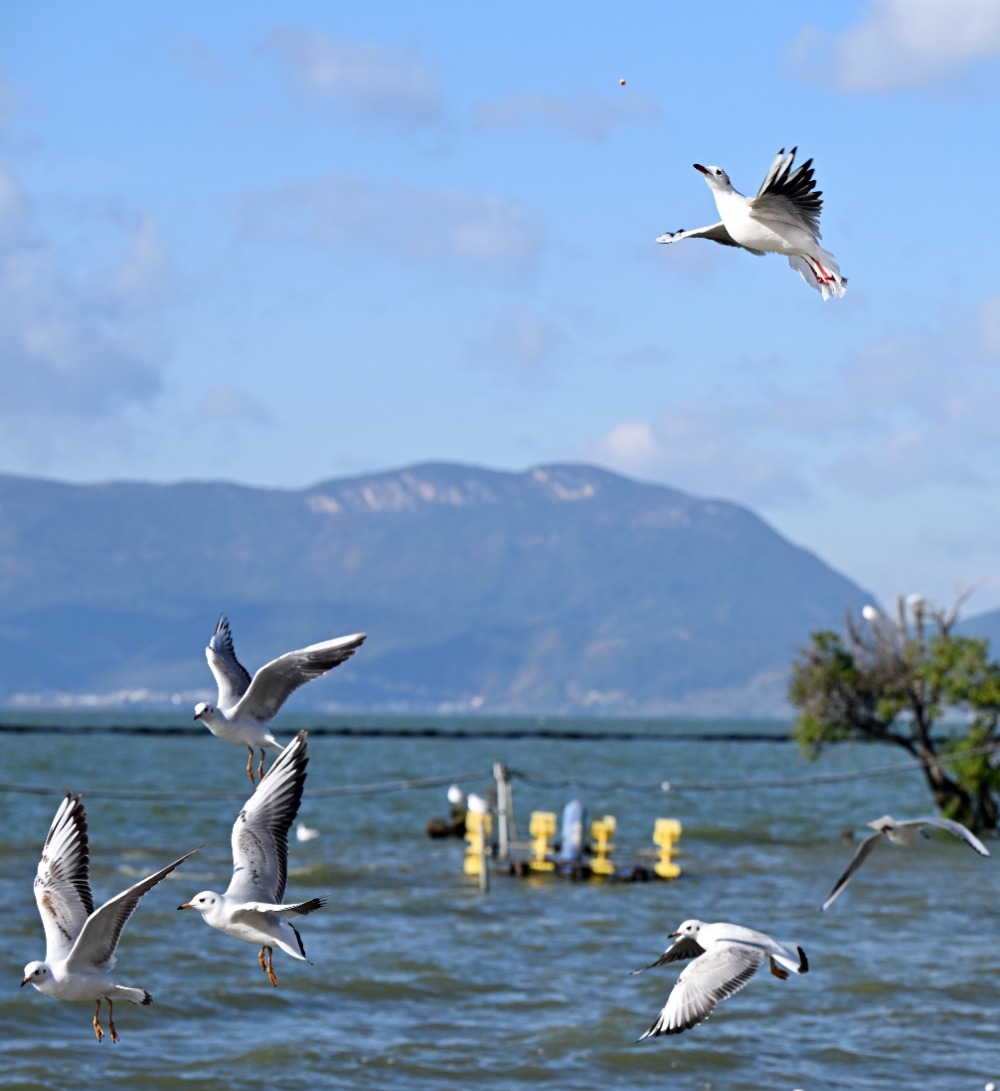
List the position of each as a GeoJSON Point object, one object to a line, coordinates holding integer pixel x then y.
{"type": "Point", "coordinates": [111, 1021]}
{"type": "Point", "coordinates": [260, 767]}
{"type": "Point", "coordinates": [270, 971]}
{"type": "Point", "coordinates": [97, 1026]}
{"type": "Point", "coordinates": [250, 764]}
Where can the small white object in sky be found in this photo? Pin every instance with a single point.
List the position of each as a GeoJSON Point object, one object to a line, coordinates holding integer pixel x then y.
{"type": "Point", "coordinates": [246, 707]}
{"type": "Point", "coordinates": [80, 941]}
{"type": "Point", "coordinates": [782, 219]}
{"type": "Point", "coordinates": [251, 908]}
{"type": "Point", "coordinates": [869, 612]}
{"type": "Point", "coordinates": [305, 833]}
{"type": "Point", "coordinates": [901, 833]}
{"type": "Point", "coordinates": [725, 957]}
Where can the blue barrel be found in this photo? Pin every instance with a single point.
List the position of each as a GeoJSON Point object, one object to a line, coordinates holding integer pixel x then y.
{"type": "Point", "coordinates": [574, 832]}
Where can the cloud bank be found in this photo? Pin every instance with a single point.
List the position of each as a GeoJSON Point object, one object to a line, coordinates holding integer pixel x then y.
{"type": "Point", "coordinates": [75, 351]}
{"type": "Point", "coordinates": [902, 44]}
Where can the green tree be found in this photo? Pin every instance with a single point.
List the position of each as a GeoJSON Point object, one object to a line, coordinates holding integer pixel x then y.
{"type": "Point", "coordinates": [895, 681]}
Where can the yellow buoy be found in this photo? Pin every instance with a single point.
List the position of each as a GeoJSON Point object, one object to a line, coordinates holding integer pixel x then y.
{"type": "Point", "coordinates": [542, 827]}
{"type": "Point", "coordinates": [602, 830]}
{"type": "Point", "coordinates": [666, 834]}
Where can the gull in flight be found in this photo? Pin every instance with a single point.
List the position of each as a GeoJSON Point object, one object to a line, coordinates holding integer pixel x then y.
{"type": "Point", "coordinates": [900, 833]}
{"type": "Point", "coordinates": [245, 707]}
{"type": "Point", "coordinates": [725, 957]}
{"type": "Point", "coordinates": [782, 219]}
{"type": "Point", "coordinates": [80, 941]}
{"type": "Point", "coordinates": [251, 908]}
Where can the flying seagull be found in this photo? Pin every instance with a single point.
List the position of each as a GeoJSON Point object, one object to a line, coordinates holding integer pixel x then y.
{"type": "Point", "coordinates": [725, 957]}
{"type": "Point", "coordinates": [245, 707]}
{"type": "Point", "coordinates": [251, 908]}
{"type": "Point", "coordinates": [900, 833]}
{"type": "Point", "coordinates": [782, 219]}
{"type": "Point", "coordinates": [80, 941]}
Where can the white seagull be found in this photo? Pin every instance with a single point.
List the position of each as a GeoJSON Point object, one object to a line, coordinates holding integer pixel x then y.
{"type": "Point", "coordinates": [80, 941]}
{"type": "Point", "coordinates": [725, 957]}
{"type": "Point", "coordinates": [251, 908]}
{"type": "Point", "coordinates": [245, 707]}
{"type": "Point", "coordinates": [782, 219]}
{"type": "Point", "coordinates": [901, 833]}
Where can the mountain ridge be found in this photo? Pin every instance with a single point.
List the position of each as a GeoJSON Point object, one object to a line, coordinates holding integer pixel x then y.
{"type": "Point", "coordinates": [563, 588]}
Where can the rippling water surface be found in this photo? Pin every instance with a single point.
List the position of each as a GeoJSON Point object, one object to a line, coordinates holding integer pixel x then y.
{"type": "Point", "coordinates": [419, 981]}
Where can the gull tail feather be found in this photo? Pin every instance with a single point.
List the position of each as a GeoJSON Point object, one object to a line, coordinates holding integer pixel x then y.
{"type": "Point", "coordinates": [832, 284]}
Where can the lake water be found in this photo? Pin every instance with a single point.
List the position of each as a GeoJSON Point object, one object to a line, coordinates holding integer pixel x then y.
{"type": "Point", "coordinates": [420, 981]}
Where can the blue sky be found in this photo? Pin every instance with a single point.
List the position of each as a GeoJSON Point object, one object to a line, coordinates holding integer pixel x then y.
{"type": "Point", "coordinates": [276, 245]}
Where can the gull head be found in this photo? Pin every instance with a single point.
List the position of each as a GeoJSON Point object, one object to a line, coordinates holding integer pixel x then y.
{"type": "Point", "coordinates": [716, 177]}
{"type": "Point", "coordinates": [204, 902]}
{"type": "Point", "coordinates": [203, 711]}
{"type": "Point", "coordinates": [37, 974]}
{"type": "Point", "coordinates": [689, 928]}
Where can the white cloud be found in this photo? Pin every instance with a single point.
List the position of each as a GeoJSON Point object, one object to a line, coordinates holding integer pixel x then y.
{"type": "Point", "coordinates": [902, 43]}
{"type": "Point", "coordinates": [342, 210]}
{"type": "Point", "coordinates": [910, 411]}
{"type": "Point", "coordinates": [364, 81]}
{"type": "Point", "coordinates": [588, 116]}
{"type": "Point", "coordinates": [522, 342]}
{"type": "Point", "coordinates": [989, 326]}
{"type": "Point", "coordinates": [711, 447]}
{"type": "Point", "coordinates": [75, 351]}
{"type": "Point", "coordinates": [234, 404]}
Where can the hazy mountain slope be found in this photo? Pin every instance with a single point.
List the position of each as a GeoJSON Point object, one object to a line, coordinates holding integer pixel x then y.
{"type": "Point", "coordinates": [561, 588]}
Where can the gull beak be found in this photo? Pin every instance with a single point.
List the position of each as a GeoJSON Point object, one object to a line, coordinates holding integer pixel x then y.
{"type": "Point", "coordinates": [672, 934]}
{"type": "Point", "coordinates": [186, 905]}
{"type": "Point", "coordinates": [197, 715]}
{"type": "Point", "coordinates": [704, 170]}
{"type": "Point", "coordinates": [25, 982]}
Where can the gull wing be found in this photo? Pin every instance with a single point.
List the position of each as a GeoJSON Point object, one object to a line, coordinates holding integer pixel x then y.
{"type": "Point", "coordinates": [96, 943]}
{"type": "Point", "coordinates": [956, 828]}
{"type": "Point", "coordinates": [788, 196]}
{"type": "Point", "coordinates": [62, 883]}
{"type": "Point", "coordinates": [283, 912]}
{"type": "Point", "coordinates": [682, 947]}
{"type": "Point", "coordinates": [864, 849]}
{"type": "Point", "coordinates": [274, 682]}
{"type": "Point", "coordinates": [230, 674]}
{"type": "Point", "coordinates": [710, 979]}
{"type": "Point", "coordinates": [715, 232]}
{"type": "Point", "coordinates": [260, 832]}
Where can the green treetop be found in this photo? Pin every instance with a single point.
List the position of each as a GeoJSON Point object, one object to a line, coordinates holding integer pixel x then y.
{"type": "Point", "coordinates": [895, 681]}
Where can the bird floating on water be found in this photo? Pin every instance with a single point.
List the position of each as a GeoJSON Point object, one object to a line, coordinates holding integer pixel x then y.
{"type": "Point", "coordinates": [783, 218]}
{"type": "Point", "coordinates": [245, 707]}
{"type": "Point", "coordinates": [906, 832]}
{"type": "Point", "coordinates": [725, 957]}
{"type": "Point", "coordinates": [251, 908]}
{"type": "Point", "coordinates": [81, 941]}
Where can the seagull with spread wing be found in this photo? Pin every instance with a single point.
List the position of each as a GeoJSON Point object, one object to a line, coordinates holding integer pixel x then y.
{"type": "Point", "coordinates": [782, 219]}
{"type": "Point", "coordinates": [251, 908]}
{"type": "Point", "coordinates": [246, 706]}
{"type": "Point", "coordinates": [725, 957]}
{"type": "Point", "coordinates": [80, 941]}
{"type": "Point", "coordinates": [906, 832]}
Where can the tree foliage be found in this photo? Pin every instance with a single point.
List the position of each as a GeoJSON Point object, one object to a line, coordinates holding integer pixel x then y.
{"type": "Point", "coordinates": [897, 682]}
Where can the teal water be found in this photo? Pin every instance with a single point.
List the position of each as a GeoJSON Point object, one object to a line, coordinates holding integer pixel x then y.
{"type": "Point", "coordinates": [419, 981]}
